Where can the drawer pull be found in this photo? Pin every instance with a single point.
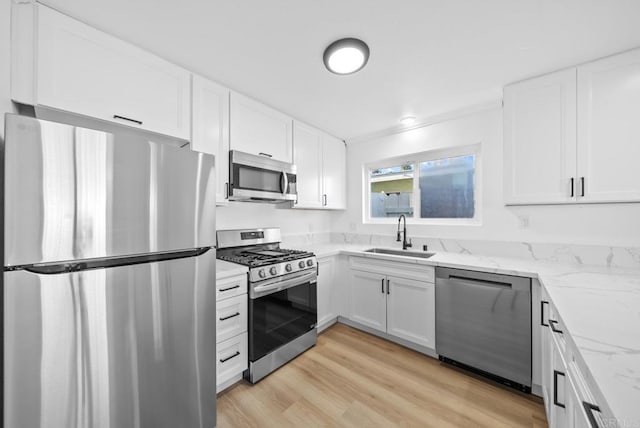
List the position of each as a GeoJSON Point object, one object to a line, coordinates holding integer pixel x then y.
{"type": "Point", "coordinates": [230, 316]}
{"type": "Point", "coordinates": [589, 408]}
{"type": "Point", "coordinates": [265, 154]}
{"type": "Point", "coordinates": [555, 388]}
{"type": "Point", "coordinates": [224, 360]}
{"type": "Point", "coordinates": [139, 122]}
{"type": "Point", "coordinates": [222, 290]}
{"type": "Point", "coordinates": [542, 303]}
{"type": "Point", "coordinates": [552, 324]}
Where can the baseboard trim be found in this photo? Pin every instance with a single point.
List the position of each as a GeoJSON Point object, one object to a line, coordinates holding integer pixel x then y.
{"type": "Point", "coordinates": [418, 348]}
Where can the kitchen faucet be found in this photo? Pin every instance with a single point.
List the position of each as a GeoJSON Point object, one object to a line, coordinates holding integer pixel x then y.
{"type": "Point", "coordinates": [405, 244]}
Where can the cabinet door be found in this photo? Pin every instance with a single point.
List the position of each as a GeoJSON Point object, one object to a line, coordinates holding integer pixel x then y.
{"type": "Point", "coordinates": [368, 299]}
{"type": "Point", "coordinates": [326, 279]}
{"type": "Point", "coordinates": [609, 129]}
{"type": "Point", "coordinates": [260, 130]}
{"type": "Point", "coordinates": [558, 385]}
{"type": "Point", "coordinates": [540, 139]}
{"type": "Point", "coordinates": [88, 72]}
{"type": "Point", "coordinates": [334, 173]}
{"type": "Point", "coordinates": [210, 128]}
{"type": "Point", "coordinates": [546, 351]}
{"type": "Point", "coordinates": [307, 150]}
{"type": "Point", "coordinates": [411, 310]}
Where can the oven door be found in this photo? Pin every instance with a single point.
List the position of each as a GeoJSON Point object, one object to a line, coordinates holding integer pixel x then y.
{"type": "Point", "coordinates": [280, 312]}
{"type": "Point", "coordinates": [258, 178]}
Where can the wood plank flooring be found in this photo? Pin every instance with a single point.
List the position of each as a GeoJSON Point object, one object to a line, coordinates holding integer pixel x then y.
{"type": "Point", "coordinates": [353, 379]}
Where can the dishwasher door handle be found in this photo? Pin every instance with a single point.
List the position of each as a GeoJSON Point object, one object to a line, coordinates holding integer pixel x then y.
{"type": "Point", "coordinates": [481, 282]}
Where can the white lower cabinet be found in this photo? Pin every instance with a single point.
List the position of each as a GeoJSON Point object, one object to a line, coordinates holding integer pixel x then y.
{"type": "Point", "coordinates": [327, 313]}
{"type": "Point", "coordinates": [231, 330]}
{"type": "Point", "coordinates": [395, 298]}
{"type": "Point", "coordinates": [410, 308]}
{"type": "Point", "coordinates": [368, 299]}
{"type": "Point", "coordinates": [231, 359]}
{"type": "Point", "coordinates": [567, 395]}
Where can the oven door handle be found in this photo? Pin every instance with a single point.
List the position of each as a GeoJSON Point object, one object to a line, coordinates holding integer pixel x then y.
{"type": "Point", "coordinates": [262, 290]}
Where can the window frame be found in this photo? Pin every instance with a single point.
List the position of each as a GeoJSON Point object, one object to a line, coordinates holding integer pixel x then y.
{"type": "Point", "coordinates": [416, 159]}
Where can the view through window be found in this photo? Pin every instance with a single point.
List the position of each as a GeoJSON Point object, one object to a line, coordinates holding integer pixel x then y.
{"type": "Point", "coordinates": [428, 186]}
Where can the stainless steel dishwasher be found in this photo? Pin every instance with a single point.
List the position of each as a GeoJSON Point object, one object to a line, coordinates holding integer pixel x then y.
{"type": "Point", "coordinates": [483, 323]}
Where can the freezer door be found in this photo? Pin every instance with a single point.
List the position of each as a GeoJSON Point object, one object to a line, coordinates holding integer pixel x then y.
{"type": "Point", "coordinates": [76, 193]}
{"type": "Point", "coordinates": [128, 346]}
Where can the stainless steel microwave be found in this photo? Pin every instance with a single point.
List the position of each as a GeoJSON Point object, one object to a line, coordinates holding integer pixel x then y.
{"type": "Point", "coordinates": [260, 179]}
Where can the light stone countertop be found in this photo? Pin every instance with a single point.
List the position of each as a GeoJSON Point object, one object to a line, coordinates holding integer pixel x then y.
{"type": "Point", "coordinates": [599, 307]}
{"type": "Point", "coordinates": [226, 269]}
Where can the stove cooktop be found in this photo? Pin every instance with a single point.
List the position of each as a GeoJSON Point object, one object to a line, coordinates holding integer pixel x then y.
{"type": "Point", "coordinates": [256, 258]}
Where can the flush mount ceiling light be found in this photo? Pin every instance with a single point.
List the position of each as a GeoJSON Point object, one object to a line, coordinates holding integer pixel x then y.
{"type": "Point", "coordinates": [408, 120]}
{"type": "Point", "coordinates": [346, 56]}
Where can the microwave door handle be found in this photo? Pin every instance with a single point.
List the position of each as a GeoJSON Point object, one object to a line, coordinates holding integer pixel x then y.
{"type": "Point", "coordinates": [284, 182]}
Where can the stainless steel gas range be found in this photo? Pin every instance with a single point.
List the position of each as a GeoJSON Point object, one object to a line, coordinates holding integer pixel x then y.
{"type": "Point", "coordinates": [282, 296]}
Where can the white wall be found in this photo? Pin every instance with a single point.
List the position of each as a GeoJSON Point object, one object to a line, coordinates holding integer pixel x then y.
{"type": "Point", "coordinates": [601, 224]}
{"type": "Point", "coordinates": [292, 222]}
{"type": "Point", "coordinates": [5, 67]}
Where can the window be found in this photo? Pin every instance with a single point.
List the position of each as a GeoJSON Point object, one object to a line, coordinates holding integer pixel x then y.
{"type": "Point", "coordinates": [430, 187]}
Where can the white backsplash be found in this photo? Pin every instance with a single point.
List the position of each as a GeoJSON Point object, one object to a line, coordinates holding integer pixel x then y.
{"type": "Point", "coordinates": [624, 257]}
{"type": "Point", "coordinates": [305, 239]}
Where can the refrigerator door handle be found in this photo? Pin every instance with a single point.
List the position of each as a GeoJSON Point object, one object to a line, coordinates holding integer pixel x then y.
{"type": "Point", "coordinates": [81, 265]}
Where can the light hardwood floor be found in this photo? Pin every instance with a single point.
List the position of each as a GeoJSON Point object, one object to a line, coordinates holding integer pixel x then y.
{"type": "Point", "coordinates": [353, 379]}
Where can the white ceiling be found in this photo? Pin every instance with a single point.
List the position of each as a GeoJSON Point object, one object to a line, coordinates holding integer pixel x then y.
{"type": "Point", "coordinates": [427, 56]}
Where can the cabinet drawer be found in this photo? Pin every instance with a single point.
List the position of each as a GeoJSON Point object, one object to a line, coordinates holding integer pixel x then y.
{"type": "Point", "coordinates": [402, 269]}
{"type": "Point", "coordinates": [232, 286]}
{"type": "Point", "coordinates": [231, 317]}
{"type": "Point", "coordinates": [231, 358]}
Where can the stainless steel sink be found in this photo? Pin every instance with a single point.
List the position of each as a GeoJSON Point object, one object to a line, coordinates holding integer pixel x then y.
{"type": "Point", "coordinates": [403, 253]}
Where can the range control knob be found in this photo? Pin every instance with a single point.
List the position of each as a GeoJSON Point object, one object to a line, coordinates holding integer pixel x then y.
{"type": "Point", "coordinates": [301, 264]}
{"type": "Point", "coordinates": [273, 271]}
{"type": "Point", "coordinates": [288, 267]}
{"type": "Point", "coordinates": [310, 262]}
{"type": "Point", "coordinates": [262, 273]}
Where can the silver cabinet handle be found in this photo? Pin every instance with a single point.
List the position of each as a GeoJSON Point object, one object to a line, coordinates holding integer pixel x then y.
{"type": "Point", "coordinates": [382, 286]}
{"type": "Point", "coordinates": [228, 288]}
{"type": "Point", "coordinates": [324, 200]}
{"type": "Point", "coordinates": [139, 122]}
{"type": "Point", "coordinates": [582, 186]}
{"type": "Point", "coordinates": [388, 292]}
{"type": "Point", "coordinates": [265, 154]}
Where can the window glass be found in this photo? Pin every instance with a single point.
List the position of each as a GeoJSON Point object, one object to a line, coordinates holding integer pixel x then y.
{"type": "Point", "coordinates": [391, 191]}
{"type": "Point", "coordinates": [447, 187]}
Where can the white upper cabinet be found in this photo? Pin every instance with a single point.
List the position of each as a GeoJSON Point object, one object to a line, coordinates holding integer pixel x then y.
{"type": "Point", "coordinates": [210, 128]}
{"type": "Point", "coordinates": [540, 139]}
{"type": "Point", "coordinates": [260, 130]}
{"type": "Point", "coordinates": [572, 136]}
{"type": "Point", "coordinates": [321, 168]}
{"type": "Point", "coordinates": [609, 128]}
{"type": "Point", "coordinates": [334, 172]}
{"type": "Point", "coordinates": [307, 157]}
{"type": "Point", "coordinates": [61, 63]}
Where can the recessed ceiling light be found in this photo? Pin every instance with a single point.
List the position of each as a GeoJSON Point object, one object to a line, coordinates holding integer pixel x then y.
{"type": "Point", "coordinates": [408, 120]}
{"type": "Point", "coordinates": [346, 56]}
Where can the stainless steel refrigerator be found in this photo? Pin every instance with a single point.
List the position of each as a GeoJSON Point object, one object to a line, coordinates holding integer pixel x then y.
{"type": "Point", "coordinates": [109, 279]}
